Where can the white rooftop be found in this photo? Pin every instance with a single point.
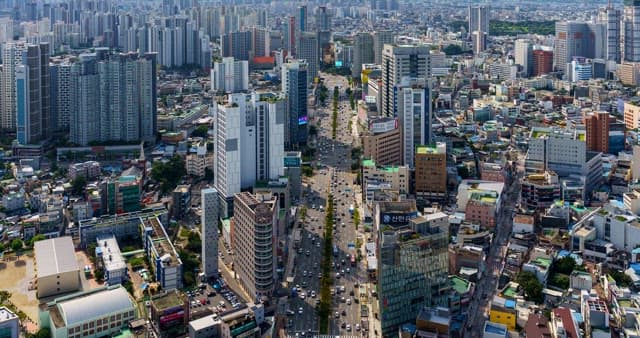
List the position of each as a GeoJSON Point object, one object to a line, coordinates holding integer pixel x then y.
{"type": "Point", "coordinates": [98, 304]}
{"type": "Point", "coordinates": [112, 258]}
{"type": "Point", "coordinates": [204, 322]}
{"type": "Point", "coordinates": [55, 256]}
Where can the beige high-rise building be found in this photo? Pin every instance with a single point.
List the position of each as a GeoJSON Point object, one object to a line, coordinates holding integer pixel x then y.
{"type": "Point", "coordinates": [383, 142]}
{"type": "Point", "coordinates": [255, 218]}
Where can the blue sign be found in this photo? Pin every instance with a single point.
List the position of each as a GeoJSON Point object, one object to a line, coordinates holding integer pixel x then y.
{"type": "Point", "coordinates": [397, 218]}
{"type": "Point", "coordinates": [303, 120]}
{"type": "Point", "coordinates": [338, 64]}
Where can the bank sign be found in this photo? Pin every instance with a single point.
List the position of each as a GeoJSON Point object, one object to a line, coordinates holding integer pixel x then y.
{"type": "Point", "coordinates": [396, 218]}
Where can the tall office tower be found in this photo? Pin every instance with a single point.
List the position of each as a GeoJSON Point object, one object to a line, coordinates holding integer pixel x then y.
{"type": "Point", "coordinates": [598, 126]}
{"type": "Point", "coordinates": [11, 57]}
{"type": "Point", "coordinates": [237, 45]}
{"type": "Point", "coordinates": [574, 39]}
{"type": "Point", "coordinates": [611, 17]}
{"type": "Point", "coordinates": [323, 19]}
{"type": "Point", "coordinates": [412, 265]}
{"type": "Point", "coordinates": [542, 61]}
{"type": "Point", "coordinates": [32, 95]}
{"type": "Point", "coordinates": [261, 41]}
{"type": "Point", "coordinates": [230, 76]}
{"type": "Point", "coordinates": [116, 98]}
{"type": "Point", "coordinates": [61, 95]}
{"type": "Point", "coordinates": [524, 56]}
{"type": "Point", "coordinates": [413, 107]}
{"type": "Point", "coordinates": [307, 49]}
{"type": "Point", "coordinates": [580, 70]}
{"type": "Point", "coordinates": [479, 19]}
{"type": "Point", "coordinates": [362, 53]}
{"type": "Point", "coordinates": [294, 86]}
{"type": "Point", "coordinates": [289, 35]}
{"type": "Point", "coordinates": [249, 144]}
{"type": "Point", "coordinates": [301, 22]}
{"type": "Point", "coordinates": [431, 172]}
{"type": "Point", "coordinates": [209, 221]}
{"type": "Point", "coordinates": [381, 38]}
{"type": "Point", "coordinates": [631, 31]}
{"type": "Point", "coordinates": [399, 61]}
{"type": "Point", "coordinates": [324, 44]}
{"type": "Point", "coordinates": [479, 41]}
{"type": "Point", "coordinates": [255, 218]}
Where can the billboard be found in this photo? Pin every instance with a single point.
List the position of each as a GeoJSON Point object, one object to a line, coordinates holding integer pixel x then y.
{"type": "Point", "coordinates": [383, 126]}
{"type": "Point", "coordinates": [396, 218]}
{"type": "Point", "coordinates": [303, 120]}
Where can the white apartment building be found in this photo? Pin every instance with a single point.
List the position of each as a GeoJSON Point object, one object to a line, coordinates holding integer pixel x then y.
{"type": "Point", "coordinates": [230, 76]}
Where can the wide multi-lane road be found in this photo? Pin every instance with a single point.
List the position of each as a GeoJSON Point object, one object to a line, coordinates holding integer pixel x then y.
{"type": "Point", "coordinates": [332, 175]}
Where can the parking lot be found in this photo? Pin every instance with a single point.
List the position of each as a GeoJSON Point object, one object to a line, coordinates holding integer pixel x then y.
{"type": "Point", "coordinates": [216, 298]}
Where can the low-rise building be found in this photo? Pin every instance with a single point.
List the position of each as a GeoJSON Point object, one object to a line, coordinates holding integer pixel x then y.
{"type": "Point", "coordinates": [111, 260]}
{"type": "Point", "coordinates": [97, 313]}
{"type": "Point", "coordinates": [9, 324]}
{"type": "Point", "coordinates": [481, 208]}
{"type": "Point", "coordinates": [503, 311]}
{"type": "Point", "coordinates": [539, 191]}
{"type": "Point", "coordinates": [57, 267]}
{"type": "Point", "coordinates": [494, 330]}
{"type": "Point", "coordinates": [165, 261]}
{"type": "Point", "coordinates": [88, 170]}
{"type": "Point", "coordinates": [14, 200]}
{"type": "Point", "coordinates": [523, 224]}
{"type": "Point", "coordinates": [242, 323]}
{"type": "Point", "coordinates": [539, 264]}
{"type": "Point", "coordinates": [169, 313]}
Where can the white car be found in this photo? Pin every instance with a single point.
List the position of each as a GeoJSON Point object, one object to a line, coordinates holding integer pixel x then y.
{"type": "Point", "coordinates": [303, 295]}
{"type": "Point", "coordinates": [349, 327]}
{"type": "Point", "coordinates": [348, 301]}
{"type": "Point", "coordinates": [313, 294]}
{"type": "Point", "coordinates": [300, 310]}
{"type": "Point", "coordinates": [357, 327]}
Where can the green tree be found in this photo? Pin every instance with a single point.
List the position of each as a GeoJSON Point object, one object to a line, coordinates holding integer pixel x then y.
{"type": "Point", "coordinates": [201, 131]}
{"type": "Point", "coordinates": [453, 50]}
{"type": "Point", "coordinates": [17, 244]}
{"type": "Point", "coordinates": [38, 237]}
{"type": "Point", "coordinates": [169, 173]}
{"type": "Point", "coordinates": [1, 247]}
{"type": "Point", "coordinates": [564, 265]}
{"type": "Point", "coordinates": [195, 243]}
{"type": "Point", "coordinates": [532, 287]}
{"type": "Point", "coordinates": [78, 184]}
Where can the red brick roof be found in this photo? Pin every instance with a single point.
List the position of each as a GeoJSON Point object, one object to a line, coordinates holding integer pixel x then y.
{"type": "Point", "coordinates": [567, 321]}
{"type": "Point", "coordinates": [537, 326]}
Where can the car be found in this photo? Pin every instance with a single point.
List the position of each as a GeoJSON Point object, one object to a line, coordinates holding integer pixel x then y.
{"type": "Point", "coordinates": [308, 252]}
{"type": "Point", "coordinates": [302, 295]}
{"type": "Point", "coordinates": [342, 299]}
{"type": "Point", "coordinates": [348, 327]}
{"type": "Point", "coordinates": [357, 327]}
{"type": "Point", "coordinates": [300, 310]}
{"type": "Point", "coordinates": [348, 301]}
{"type": "Point", "coordinates": [337, 275]}
{"type": "Point", "coordinates": [343, 325]}
{"type": "Point", "coordinates": [313, 294]}
{"type": "Point", "coordinates": [304, 273]}
{"type": "Point", "coordinates": [291, 313]}
{"type": "Point", "coordinates": [319, 275]}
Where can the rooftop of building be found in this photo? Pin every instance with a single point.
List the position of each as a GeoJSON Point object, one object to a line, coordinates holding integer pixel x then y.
{"type": "Point", "coordinates": [81, 307]}
{"type": "Point", "coordinates": [495, 328]}
{"type": "Point", "coordinates": [161, 242]}
{"type": "Point", "coordinates": [110, 250]}
{"type": "Point", "coordinates": [537, 326]}
{"type": "Point", "coordinates": [427, 149]}
{"type": "Point", "coordinates": [523, 219]}
{"type": "Point", "coordinates": [55, 256]}
{"type": "Point", "coordinates": [183, 189]}
{"type": "Point", "coordinates": [167, 300]}
{"type": "Point", "coordinates": [459, 284]}
{"type": "Point", "coordinates": [6, 314]}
